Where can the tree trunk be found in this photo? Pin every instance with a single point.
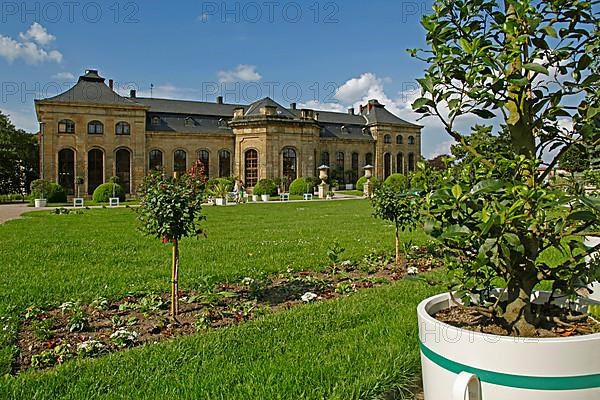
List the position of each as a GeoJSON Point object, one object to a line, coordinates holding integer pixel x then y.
{"type": "Point", "coordinates": [398, 259]}
{"type": "Point", "coordinates": [175, 280]}
{"type": "Point", "coordinates": [519, 313]}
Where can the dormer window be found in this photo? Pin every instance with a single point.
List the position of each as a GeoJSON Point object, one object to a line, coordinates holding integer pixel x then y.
{"type": "Point", "coordinates": [345, 129]}
{"type": "Point", "coordinates": [222, 123]}
{"type": "Point", "coordinates": [95, 128]}
{"type": "Point", "coordinates": [66, 126]}
{"type": "Point", "coordinates": [366, 131]}
{"type": "Point", "coordinates": [189, 121]}
{"type": "Point", "coordinates": [155, 121]}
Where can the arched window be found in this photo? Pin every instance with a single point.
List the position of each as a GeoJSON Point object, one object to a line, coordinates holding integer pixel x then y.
{"type": "Point", "coordinates": [399, 139]}
{"type": "Point", "coordinates": [224, 163]}
{"type": "Point", "coordinates": [123, 128]}
{"type": "Point", "coordinates": [180, 162]}
{"type": "Point", "coordinates": [325, 158]}
{"type": "Point", "coordinates": [369, 159]}
{"type": "Point", "coordinates": [155, 121]}
{"type": "Point", "coordinates": [387, 165]}
{"type": "Point", "coordinates": [95, 128]}
{"type": "Point", "coordinates": [155, 160]}
{"type": "Point", "coordinates": [387, 139]}
{"type": "Point", "coordinates": [290, 164]}
{"type": "Point", "coordinates": [95, 169]}
{"type": "Point", "coordinates": [123, 168]}
{"type": "Point", "coordinates": [400, 163]}
{"type": "Point", "coordinates": [411, 140]}
{"type": "Point", "coordinates": [251, 167]}
{"type": "Point", "coordinates": [411, 162]}
{"type": "Point", "coordinates": [354, 176]}
{"type": "Point", "coordinates": [204, 158]}
{"type": "Point", "coordinates": [66, 126]}
{"type": "Point", "coordinates": [66, 170]}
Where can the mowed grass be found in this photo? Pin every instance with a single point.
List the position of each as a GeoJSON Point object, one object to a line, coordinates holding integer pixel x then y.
{"type": "Point", "coordinates": [356, 347]}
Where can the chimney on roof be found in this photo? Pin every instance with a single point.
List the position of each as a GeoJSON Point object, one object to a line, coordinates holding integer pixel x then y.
{"type": "Point", "coordinates": [351, 111]}
{"type": "Point", "coordinates": [219, 99]}
{"type": "Point", "coordinates": [293, 106]}
{"type": "Point", "coordinates": [111, 83]}
{"type": "Point", "coordinates": [133, 93]}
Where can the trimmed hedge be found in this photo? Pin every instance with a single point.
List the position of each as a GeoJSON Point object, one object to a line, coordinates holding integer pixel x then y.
{"type": "Point", "coordinates": [360, 183]}
{"type": "Point", "coordinates": [396, 181]}
{"type": "Point", "coordinates": [105, 191]}
{"type": "Point", "coordinates": [301, 185]}
{"type": "Point", "coordinates": [53, 193]}
{"type": "Point", "coordinates": [265, 186]}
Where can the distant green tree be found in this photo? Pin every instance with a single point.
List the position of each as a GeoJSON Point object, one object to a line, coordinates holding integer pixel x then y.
{"type": "Point", "coordinates": [575, 159]}
{"type": "Point", "coordinates": [18, 158]}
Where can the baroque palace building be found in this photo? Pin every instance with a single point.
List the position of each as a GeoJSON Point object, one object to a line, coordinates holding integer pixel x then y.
{"type": "Point", "coordinates": [92, 132]}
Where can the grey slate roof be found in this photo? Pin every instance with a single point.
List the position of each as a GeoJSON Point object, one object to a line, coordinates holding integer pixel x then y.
{"type": "Point", "coordinates": [254, 108]}
{"type": "Point", "coordinates": [378, 114]}
{"type": "Point", "coordinates": [181, 123]}
{"type": "Point", "coordinates": [90, 88]}
{"type": "Point", "coordinates": [188, 107]}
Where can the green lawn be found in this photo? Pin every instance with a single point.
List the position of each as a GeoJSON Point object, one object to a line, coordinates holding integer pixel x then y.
{"type": "Point", "coordinates": [357, 347]}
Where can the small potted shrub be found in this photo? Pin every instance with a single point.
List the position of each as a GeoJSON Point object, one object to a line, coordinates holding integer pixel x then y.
{"type": "Point", "coordinates": [494, 335]}
{"type": "Point", "coordinates": [43, 192]}
{"type": "Point", "coordinates": [220, 191]}
{"type": "Point", "coordinates": [265, 188]}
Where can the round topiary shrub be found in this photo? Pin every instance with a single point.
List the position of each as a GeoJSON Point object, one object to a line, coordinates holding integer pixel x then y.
{"type": "Point", "coordinates": [300, 186]}
{"type": "Point", "coordinates": [105, 192]}
{"type": "Point", "coordinates": [360, 184]}
{"type": "Point", "coordinates": [265, 186]}
{"type": "Point", "coordinates": [396, 181]}
{"type": "Point", "coordinates": [53, 192]}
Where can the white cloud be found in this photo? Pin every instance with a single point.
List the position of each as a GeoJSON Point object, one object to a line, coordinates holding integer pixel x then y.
{"type": "Point", "coordinates": [64, 76]}
{"type": "Point", "coordinates": [30, 47]}
{"type": "Point", "coordinates": [317, 105]}
{"type": "Point", "coordinates": [441, 148]}
{"type": "Point", "coordinates": [37, 33]}
{"type": "Point", "coordinates": [23, 119]}
{"type": "Point", "coordinates": [242, 73]}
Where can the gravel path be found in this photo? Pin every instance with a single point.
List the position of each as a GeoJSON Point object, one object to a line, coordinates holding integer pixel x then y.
{"type": "Point", "coordinates": [14, 211]}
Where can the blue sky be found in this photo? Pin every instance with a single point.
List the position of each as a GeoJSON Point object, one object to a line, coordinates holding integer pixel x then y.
{"type": "Point", "coordinates": [320, 54]}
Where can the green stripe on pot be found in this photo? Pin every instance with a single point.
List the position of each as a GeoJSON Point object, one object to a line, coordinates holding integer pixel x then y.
{"type": "Point", "coordinates": [516, 381]}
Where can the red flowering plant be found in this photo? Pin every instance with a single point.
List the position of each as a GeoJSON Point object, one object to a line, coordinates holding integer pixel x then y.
{"type": "Point", "coordinates": [170, 209]}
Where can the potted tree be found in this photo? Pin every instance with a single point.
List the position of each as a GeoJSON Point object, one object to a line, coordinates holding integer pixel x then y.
{"type": "Point", "coordinates": [78, 201]}
{"type": "Point", "coordinates": [170, 209]}
{"type": "Point", "coordinates": [532, 66]}
{"type": "Point", "coordinates": [220, 191]}
{"type": "Point", "coordinates": [39, 188]}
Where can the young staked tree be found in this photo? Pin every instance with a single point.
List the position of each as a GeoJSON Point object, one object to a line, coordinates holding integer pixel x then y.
{"type": "Point", "coordinates": [170, 209]}
{"type": "Point", "coordinates": [531, 66]}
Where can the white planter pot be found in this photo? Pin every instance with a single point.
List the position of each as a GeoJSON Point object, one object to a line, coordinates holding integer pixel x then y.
{"type": "Point", "coordinates": [220, 201]}
{"type": "Point", "coordinates": [254, 198]}
{"type": "Point", "coordinates": [507, 368]}
{"type": "Point", "coordinates": [40, 203]}
{"type": "Point", "coordinates": [349, 186]}
{"type": "Point", "coordinates": [265, 197]}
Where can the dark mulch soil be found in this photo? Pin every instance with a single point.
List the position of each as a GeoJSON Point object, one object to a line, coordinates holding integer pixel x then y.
{"type": "Point", "coordinates": [471, 319]}
{"type": "Point", "coordinates": [48, 337]}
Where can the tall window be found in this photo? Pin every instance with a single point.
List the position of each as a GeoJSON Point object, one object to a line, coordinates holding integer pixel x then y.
{"type": "Point", "coordinates": [325, 158]}
{"type": "Point", "coordinates": [289, 164]}
{"type": "Point", "coordinates": [411, 162]}
{"type": "Point", "coordinates": [95, 128]}
{"type": "Point", "coordinates": [387, 165]}
{"type": "Point", "coordinates": [224, 163]}
{"type": "Point", "coordinates": [369, 159]}
{"type": "Point", "coordinates": [251, 168]}
{"type": "Point", "coordinates": [204, 158]}
{"type": "Point", "coordinates": [354, 176]}
{"type": "Point", "coordinates": [95, 169]}
{"type": "Point", "coordinates": [66, 170]}
{"type": "Point", "coordinates": [387, 139]}
{"type": "Point", "coordinates": [66, 126]}
{"type": "Point", "coordinates": [123, 168]}
{"type": "Point", "coordinates": [155, 160]}
{"type": "Point", "coordinates": [339, 160]}
{"type": "Point", "coordinates": [179, 162]}
{"type": "Point", "coordinates": [123, 128]}
{"type": "Point", "coordinates": [411, 140]}
{"type": "Point", "coordinates": [399, 139]}
{"type": "Point", "coordinates": [400, 163]}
